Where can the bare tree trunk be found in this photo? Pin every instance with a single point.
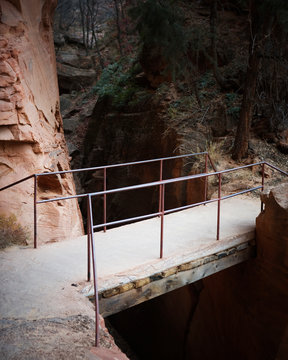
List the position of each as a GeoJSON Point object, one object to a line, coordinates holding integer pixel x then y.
{"type": "Point", "coordinates": [122, 9]}
{"type": "Point", "coordinates": [87, 19]}
{"type": "Point", "coordinates": [117, 19]}
{"type": "Point", "coordinates": [260, 31]}
{"type": "Point", "coordinates": [81, 8]}
{"type": "Point", "coordinates": [91, 18]}
{"type": "Point", "coordinates": [213, 35]}
{"type": "Point", "coordinates": [243, 130]}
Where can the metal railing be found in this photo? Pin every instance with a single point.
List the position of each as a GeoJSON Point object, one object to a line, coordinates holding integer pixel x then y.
{"type": "Point", "coordinates": [95, 168]}
{"type": "Point", "coordinates": [90, 226]}
{"type": "Point", "coordinates": [161, 183]}
{"type": "Point", "coordinates": [162, 212]}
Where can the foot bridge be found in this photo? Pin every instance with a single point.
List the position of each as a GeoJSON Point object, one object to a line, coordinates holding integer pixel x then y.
{"type": "Point", "coordinates": [138, 258]}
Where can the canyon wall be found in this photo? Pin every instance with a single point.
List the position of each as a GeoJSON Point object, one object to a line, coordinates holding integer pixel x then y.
{"type": "Point", "coordinates": [31, 135]}
{"type": "Point", "coordinates": [129, 134]}
{"type": "Point", "coordinates": [240, 313]}
{"type": "Point", "coordinates": [243, 311]}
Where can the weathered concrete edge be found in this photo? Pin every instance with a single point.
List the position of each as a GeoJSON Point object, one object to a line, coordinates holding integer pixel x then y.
{"type": "Point", "coordinates": [126, 295]}
{"type": "Point", "coordinates": [157, 266]}
{"type": "Point", "coordinates": [170, 266]}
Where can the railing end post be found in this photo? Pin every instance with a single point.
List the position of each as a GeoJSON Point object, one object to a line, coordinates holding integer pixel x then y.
{"type": "Point", "coordinates": [105, 198]}
{"type": "Point", "coordinates": [206, 178]}
{"type": "Point", "coordinates": [35, 211]}
{"type": "Point", "coordinates": [219, 207]}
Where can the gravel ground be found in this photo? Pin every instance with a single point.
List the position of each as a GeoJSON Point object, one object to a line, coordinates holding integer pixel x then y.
{"type": "Point", "coordinates": [54, 338]}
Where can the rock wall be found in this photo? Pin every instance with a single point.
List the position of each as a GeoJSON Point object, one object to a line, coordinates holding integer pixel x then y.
{"type": "Point", "coordinates": [31, 135]}
{"type": "Point", "coordinates": [133, 134]}
{"type": "Point", "coordinates": [243, 311]}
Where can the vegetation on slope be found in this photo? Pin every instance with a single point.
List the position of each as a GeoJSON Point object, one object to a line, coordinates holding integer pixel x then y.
{"type": "Point", "coordinates": [225, 60]}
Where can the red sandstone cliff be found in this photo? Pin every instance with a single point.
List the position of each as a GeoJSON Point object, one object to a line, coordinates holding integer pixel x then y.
{"type": "Point", "coordinates": [243, 311]}
{"type": "Point", "coordinates": [31, 135]}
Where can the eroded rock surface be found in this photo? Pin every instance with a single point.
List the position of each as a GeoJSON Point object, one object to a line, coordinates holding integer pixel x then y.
{"type": "Point", "coordinates": [129, 134]}
{"type": "Point", "coordinates": [31, 135]}
{"type": "Point", "coordinates": [243, 311]}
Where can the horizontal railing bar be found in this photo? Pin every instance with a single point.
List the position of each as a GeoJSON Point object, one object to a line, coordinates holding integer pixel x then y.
{"type": "Point", "coordinates": [169, 211]}
{"type": "Point", "coordinates": [142, 217]}
{"type": "Point", "coordinates": [62, 198]}
{"type": "Point", "coordinates": [171, 181]}
{"type": "Point", "coordinates": [151, 184]}
{"type": "Point", "coordinates": [102, 167]}
{"type": "Point", "coordinates": [241, 192]}
{"type": "Point", "coordinates": [119, 165]}
{"type": "Point", "coordinates": [117, 222]}
{"type": "Point", "coordinates": [157, 183]}
{"type": "Point", "coordinates": [127, 188]}
{"type": "Point", "coordinates": [276, 168]}
{"type": "Point", "coordinates": [135, 163]}
{"type": "Point", "coordinates": [17, 182]}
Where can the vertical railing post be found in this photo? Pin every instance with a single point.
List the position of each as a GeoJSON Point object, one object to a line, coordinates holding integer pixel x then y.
{"type": "Point", "coordinates": [263, 177]}
{"type": "Point", "coordinates": [97, 328]}
{"type": "Point", "coordinates": [105, 198]}
{"type": "Point", "coordinates": [88, 241]}
{"type": "Point", "coordinates": [206, 178]}
{"type": "Point", "coordinates": [162, 186]}
{"type": "Point", "coordinates": [219, 204]}
{"type": "Point", "coordinates": [35, 211]}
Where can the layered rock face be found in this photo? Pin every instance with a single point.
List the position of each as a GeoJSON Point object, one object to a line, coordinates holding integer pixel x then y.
{"type": "Point", "coordinates": [133, 134]}
{"type": "Point", "coordinates": [31, 135]}
{"type": "Point", "coordinates": [243, 311]}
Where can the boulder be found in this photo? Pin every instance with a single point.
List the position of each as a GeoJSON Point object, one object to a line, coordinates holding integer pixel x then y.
{"type": "Point", "coordinates": [73, 150]}
{"type": "Point", "coordinates": [73, 78]}
{"type": "Point", "coordinates": [74, 58]}
{"type": "Point", "coordinates": [66, 105]}
{"type": "Point", "coordinates": [59, 39]}
{"type": "Point", "coordinates": [71, 124]}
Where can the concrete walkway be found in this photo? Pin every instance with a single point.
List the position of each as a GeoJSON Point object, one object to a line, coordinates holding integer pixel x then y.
{"type": "Point", "coordinates": [40, 283]}
{"type": "Point", "coordinates": [188, 235]}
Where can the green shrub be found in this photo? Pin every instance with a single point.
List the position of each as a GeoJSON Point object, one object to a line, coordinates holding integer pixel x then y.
{"type": "Point", "coordinates": [206, 81]}
{"type": "Point", "coordinates": [233, 103]}
{"type": "Point", "coordinates": [230, 98]}
{"type": "Point", "coordinates": [11, 232]}
{"type": "Point", "coordinates": [117, 81]}
{"type": "Point", "coordinates": [234, 111]}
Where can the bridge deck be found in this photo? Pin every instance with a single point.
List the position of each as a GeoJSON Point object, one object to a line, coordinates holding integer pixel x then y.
{"type": "Point", "coordinates": [127, 258]}
{"type": "Point", "coordinates": [133, 250]}
{"type": "Point", "coordinates": [128, 264]}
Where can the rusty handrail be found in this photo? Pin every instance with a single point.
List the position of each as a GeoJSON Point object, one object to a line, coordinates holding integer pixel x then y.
{"type": "Point", "coordinates": [162, 212]}
{"type": "Point", "coordinates": [123, 164]}
{"type": "Point", "coordinates": [161, 183]}
{"type": "Point", "coordinates": [153, 183]}
{"type": "Point", "coordinates": [105, 192]}
{"type": "Point", "coordinates": [17, 182]}
{"type": "Point", "coordinates": [104, 168]}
